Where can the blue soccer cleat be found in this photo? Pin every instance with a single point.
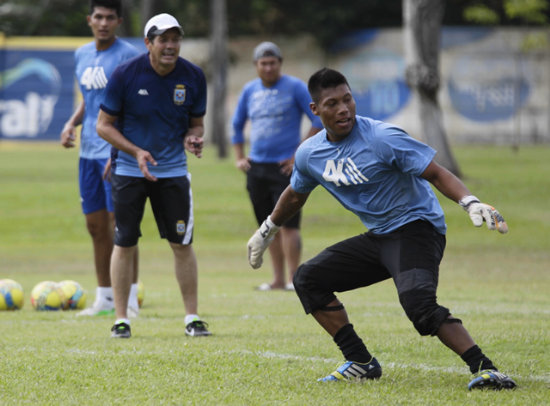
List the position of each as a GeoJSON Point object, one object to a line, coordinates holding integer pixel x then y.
{"type": "Point", "coordinates": [491, 379]}
{"type": "Point", "coordinates": [354, 371]}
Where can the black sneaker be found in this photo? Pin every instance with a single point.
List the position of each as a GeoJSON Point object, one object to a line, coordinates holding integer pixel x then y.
{"type": "Point", "coordinates": [197, 328]}
{"type": "Point", "coordinates": [490, 379]}
{"type": "Point", "coordinates": [121, 330]}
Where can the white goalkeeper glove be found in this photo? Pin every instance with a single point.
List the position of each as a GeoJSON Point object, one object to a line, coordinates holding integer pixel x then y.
{"type": "Point", "coordinates": [480, 212]}
{"type": "Point", "coordinates": [260, 241]}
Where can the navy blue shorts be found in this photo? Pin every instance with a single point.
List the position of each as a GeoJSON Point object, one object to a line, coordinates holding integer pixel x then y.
{"type": "Point", "coordinates": [172, 203]}
{"type": "Point", "coordinates": [95, 193]}
{"type": "Point", "coordinates": [265, 183]}
{"type": "Point", "coordinates": [410, 255]}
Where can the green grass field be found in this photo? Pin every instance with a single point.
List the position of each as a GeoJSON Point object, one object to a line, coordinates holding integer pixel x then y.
{"type": "Point", "coordinates": [264, 349]}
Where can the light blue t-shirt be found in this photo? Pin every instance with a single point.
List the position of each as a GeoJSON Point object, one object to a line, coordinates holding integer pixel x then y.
{"type": "Point", "coordinates": [93, 70]}
{"type": "Point", "coordinates": [374, 172]}
{"type": "Point", "coordinates": [154, 111]}
{"type": "Point", "coordinates": [275, 115]}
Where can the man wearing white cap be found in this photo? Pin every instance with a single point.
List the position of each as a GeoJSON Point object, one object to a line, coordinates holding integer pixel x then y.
{"type": "Point", "coordinates": [153, 111]}
{"type": "Point", "coordinates": [275, 105]}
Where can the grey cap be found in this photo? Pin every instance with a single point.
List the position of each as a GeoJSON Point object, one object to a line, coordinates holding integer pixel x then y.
{"type": "Point", "coordinates": [266, 49]}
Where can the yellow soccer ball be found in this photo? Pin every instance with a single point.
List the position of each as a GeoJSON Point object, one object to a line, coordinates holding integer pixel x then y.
{"type": "Point", "coordinates": [11, 295]}
{"type": "Point", "coordinates": [74, 297]}
{"type": "Point", "coordinates": [47, 295]}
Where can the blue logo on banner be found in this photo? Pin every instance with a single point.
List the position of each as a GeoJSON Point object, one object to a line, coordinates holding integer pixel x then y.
{"type": "Point", "coordinates": [486, 90]}
{"type": "Point", "coordinates": [377, 78]}
{"type": "Point", "coordinates": [32, 66]}
{"type": "Point", "coordinates": [33, 93]}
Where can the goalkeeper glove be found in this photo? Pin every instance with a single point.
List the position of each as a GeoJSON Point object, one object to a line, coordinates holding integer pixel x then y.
{"type": "Point", "coordinates": [480, 212]}
{"type": "Point", "coordinates": [260, 241]}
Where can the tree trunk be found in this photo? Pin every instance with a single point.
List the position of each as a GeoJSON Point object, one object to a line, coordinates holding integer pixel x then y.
{"type": "Point", "coordinates": [422, 29]}
{"type": "Point", "coordinates": [219, 75]}
{"type": "Point", "coordinates": [149, 8]}
{"type": "Point", "coordinates": [125, 29]}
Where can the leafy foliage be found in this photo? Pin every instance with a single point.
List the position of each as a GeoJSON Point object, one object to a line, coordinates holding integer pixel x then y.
{"type": "Point", "coordinates": [491, 12]}
{"type": "Point", "coordinates": [49, 18]}
{"type": "Point", "coordinates": [326, 19]}
{"type": "Point", "coordinates": [534, 11]}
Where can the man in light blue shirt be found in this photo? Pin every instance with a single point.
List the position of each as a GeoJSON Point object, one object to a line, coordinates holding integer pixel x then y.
{"type": "Point", "coordinates": [383, 176]}
{"type": "Point", "coordinates": [95, 62]}
{"type": "Point", "coordinates": [274, 104]}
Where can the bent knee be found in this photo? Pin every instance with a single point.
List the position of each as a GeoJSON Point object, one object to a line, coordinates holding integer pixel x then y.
{"type": "Point", "coordinates": [423, 311]}
{"type": "Point", "coordinates": [308, 278]}
{"type": "Point", "coordinates": [312, 294]}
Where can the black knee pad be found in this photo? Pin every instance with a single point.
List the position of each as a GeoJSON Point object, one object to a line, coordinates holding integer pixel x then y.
{"type": "Point", "coordinates": [309, 289]}
{"type": "Point", "coordinates": [424, 312]}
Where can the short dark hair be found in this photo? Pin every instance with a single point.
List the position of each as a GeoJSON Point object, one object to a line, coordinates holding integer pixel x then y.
{"type": "Point", "coordinates": [323, 79]}
{"type": "Point", "coordinates": [112, 4]}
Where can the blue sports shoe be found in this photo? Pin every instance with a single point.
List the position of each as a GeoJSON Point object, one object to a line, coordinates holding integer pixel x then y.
{"type": "Point", "coordinates": [491, 379]}
{"type": "Point", "coordinates": [354, 371]}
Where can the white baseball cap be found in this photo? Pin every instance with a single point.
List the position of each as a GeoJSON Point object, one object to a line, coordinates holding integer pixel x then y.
{"type": "Point", "coordinates": [158, 24]}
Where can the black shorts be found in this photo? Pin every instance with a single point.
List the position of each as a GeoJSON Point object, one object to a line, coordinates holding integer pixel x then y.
{"type": "Point", "coordinates": [172, 203]}
{"type": "Point", "coordinates": [410, 255]}
{"type": "Point", "coordinates": [265, 183]}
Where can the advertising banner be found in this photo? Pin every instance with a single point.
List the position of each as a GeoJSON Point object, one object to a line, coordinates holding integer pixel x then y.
{"type": "Point", "coordinates": [38, 92]}
{"type": "Point", "coordinates": [35, 94]}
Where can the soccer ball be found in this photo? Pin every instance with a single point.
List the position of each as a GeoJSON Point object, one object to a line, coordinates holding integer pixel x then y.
{"type": "Point", "coordinates": [47, 295]}
{"type": "Point", "coordinates": [74, 296]}
{"type": "Point", "coordinates": [11, 295]}
{"type": "Point", "coordinates": [140, 293]}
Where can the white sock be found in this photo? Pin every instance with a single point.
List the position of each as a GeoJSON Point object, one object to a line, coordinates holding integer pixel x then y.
{"type": "Point", "coordinates": [133, 299]}
{"type": "Point", "coordinates": [191, 317]}
{"type": "Point", "coordinates": [104, 295]}
{"type": "Point", "coordinates": [118, 321]}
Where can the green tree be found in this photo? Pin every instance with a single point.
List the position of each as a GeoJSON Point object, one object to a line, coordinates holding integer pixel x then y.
{"type": "Point", "coordinates": [44, 17]}
{"type": "Point", "coordinates": [523, 11]}
{"type": "Point", "coordinates": [326, 19]}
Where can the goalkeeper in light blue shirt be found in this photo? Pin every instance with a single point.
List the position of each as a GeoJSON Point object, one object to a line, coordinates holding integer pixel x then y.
{"type": "Point", "coordinates": [383, 176]}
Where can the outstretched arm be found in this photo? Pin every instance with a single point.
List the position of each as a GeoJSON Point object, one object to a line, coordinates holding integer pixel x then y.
{"type": "Point", "coordinates": [453, 188]}
{"type": "Point", "coordinates": [288, 204]}
{"type": "Point", "coordinates": [445, 181]}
